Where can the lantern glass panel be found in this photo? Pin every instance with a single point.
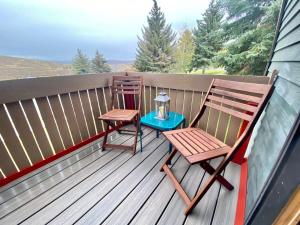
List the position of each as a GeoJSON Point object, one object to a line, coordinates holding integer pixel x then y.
{"type": "Point", "coordinates": [162, 106]}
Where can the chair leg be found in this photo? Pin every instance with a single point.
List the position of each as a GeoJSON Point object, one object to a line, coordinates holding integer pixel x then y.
{"type": "Point", "coordinates": [168, 160]}
{"type": "Point", "coordinates": [105, 137]}
{"type": "Point", "coordinates": [136, 123]}
{"type": "Point", "coordinates": [202, 191]}
{"type": "Point", "coordinates": [140, 132]}
{"type": "Point", "coordinates": [208, 168]}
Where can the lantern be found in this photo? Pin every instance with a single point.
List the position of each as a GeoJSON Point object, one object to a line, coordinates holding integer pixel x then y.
{"type": "Point", "coordinates": [162, 106]}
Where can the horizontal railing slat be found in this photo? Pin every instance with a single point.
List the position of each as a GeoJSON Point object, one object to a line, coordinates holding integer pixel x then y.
{"type": "Point", "coordinates": [192, 82]}
{"type": "Point", "coordinates": [46, 86]}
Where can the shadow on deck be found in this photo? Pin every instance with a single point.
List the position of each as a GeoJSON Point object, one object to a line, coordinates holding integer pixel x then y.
{"type": "Point", "coordinates": [89, 186]}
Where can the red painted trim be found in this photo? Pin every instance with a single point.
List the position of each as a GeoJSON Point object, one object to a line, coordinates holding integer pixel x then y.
{"type": "Point", "coordinates": [37, 165]}
{"type": "Point", "coordinates": [241, 203]}
{"type": "Point", "coordinates": [239, 157]}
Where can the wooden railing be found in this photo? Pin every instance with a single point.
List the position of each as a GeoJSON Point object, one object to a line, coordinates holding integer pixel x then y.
{"type": "Point", "coordinates": [41, 117]}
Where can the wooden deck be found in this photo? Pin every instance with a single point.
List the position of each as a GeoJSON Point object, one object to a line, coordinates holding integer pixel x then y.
{"type": "Point", "coordinates": [89, 186]}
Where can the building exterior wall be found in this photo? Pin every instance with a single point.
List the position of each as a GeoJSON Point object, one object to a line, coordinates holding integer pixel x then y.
{"type": "Point", "coordinates": [278, 121]}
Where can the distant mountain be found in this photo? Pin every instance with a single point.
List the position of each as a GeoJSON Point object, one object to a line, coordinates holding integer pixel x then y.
{"type": "Point", "coordinates": [116, 65]}
{"type": "Point", "coordinates": [16, 68]}
{"type": "Point", "coordinates": [121, 65]}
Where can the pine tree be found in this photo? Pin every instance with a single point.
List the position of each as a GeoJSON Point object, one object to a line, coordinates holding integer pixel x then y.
{"type": "Point", "coordinates": [155, 48]}
{"type": "Point", "coordinates": [81, 63]}
{"type": "Point", "coordinates": [251, 27]}
{"type": "Point", "coordinates": [99, 64]}
{"type": "Point", "coordinates": [242, 15]}
{"type": "Point", "coordinates": [208, 36]}
{"type": "Point", "coordinates": [184, 52]}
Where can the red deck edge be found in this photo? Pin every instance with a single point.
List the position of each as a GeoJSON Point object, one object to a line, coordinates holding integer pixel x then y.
{"type": "Point", "coordinates": [39, 164]}
{"type": "Point", "coordinates": [241, 203]}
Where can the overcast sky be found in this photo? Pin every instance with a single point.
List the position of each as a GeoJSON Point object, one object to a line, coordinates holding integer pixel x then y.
{"type": "Point", "coordinates": [54, 29]}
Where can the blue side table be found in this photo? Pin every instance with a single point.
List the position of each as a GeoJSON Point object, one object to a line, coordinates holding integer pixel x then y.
{"type": "Point", "coordinates": [174, 121]}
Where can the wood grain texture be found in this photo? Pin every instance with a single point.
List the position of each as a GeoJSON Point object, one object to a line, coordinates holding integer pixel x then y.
{"type": "Point", "coordinates": [88, 112]}
{"type": "Point", "coordinates": [37, 128]}
{"type": "Point", "coordinates": [61, 121]}
{"type": "Point", "coordinates": [191, 82]}
{"type": "Point", "coordinates": [79, 115]}
{"type": "Point", "coordinates": [50, 124]}
{"type": "Point", "coordinates": [52, 188]}
{"type": "Point", "coordinates": [71, 118]}
{"type": "Point", "coordinates": [124, 189]}
{"type": "Point", "coordinates": [24, 131]}
{"type": "Point", "coordinates": [46, 86]}
{"type": "Point", "coordinates": [11, 141]}
{"type": "Point", "coordinates": [27, 181]}
{"type": "Point", "coordinates": [227, 200]}
{"type": "Point", "coordinates": [64, 210]}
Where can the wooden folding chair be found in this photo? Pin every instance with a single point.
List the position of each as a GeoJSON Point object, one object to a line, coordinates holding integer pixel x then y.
{"type": "Point", "coordinates": [238, 99]}
{"type": "Point", "coordinates": [129, 87]}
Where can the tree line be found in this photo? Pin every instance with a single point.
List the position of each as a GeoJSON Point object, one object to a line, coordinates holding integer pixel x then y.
{"type": "Point", "coordinates": [236, 35]}
{"type": "Point", "coordinates": [82, 65]}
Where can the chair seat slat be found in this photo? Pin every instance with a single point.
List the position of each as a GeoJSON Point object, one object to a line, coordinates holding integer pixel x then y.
{"type": "Point", "coordinates": [194, 148]}
{"type": "Point", "coordinates": [205, 147]}
{"type": "Point", "coordinates": [178, 145]}
{"type": "Point", "coordinates": [196, 143]}
{"type": "Point", "coordinates": [185, 144]}
{"type": "Point", "coordinates": [205, 140]}
{"type": "Point", "coordinates": [208, 155]}
{"type": "Point", "coordinates": [215, 140]}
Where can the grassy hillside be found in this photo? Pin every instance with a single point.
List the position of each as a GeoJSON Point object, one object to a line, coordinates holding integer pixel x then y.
{"type": "Point", "coordinates": [16, 68]}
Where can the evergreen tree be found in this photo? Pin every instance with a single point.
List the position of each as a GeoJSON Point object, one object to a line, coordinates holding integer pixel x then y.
{"type": "Point", "coordinates": [248, 50]}
{"type": "Point", "coordinates": [242, 15]}
{"type": "Point", "coordinates": [184, 52]}
{"type": "Point", "coordinates": [80, 63]}
{"type": "Point", "coordinates": [155, 48]}
{"type": "Point", "coordinates": [99, 64]}
{"type": "Point", "coordinates": [208, 36]}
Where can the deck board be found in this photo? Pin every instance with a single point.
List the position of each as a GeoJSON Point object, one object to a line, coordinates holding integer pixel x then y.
{"type": "Point", "coordinates": [76, 202]}
{"type": "Point", "coordinates": [40, 175]}
{"type": "Point", "coordinates": [227, 200]}
{"type": "Point", "coordinates": [191, 183]}
{"type": "Point", "coordinates": [59, 184]}
{"type": "Point", "coordinates": [89, 186]}
{"type": "Point", "coordinates": [204, 211]}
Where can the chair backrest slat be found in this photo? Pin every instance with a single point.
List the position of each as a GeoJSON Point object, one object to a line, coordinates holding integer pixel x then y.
{"type": "Point", "coordinates": [238, 99]}
{"type": "Point", "coordinates": [128, 86]}
{"type": "Point", "coordinates": [236, 104]}
{"type": "Point", "coordinates": [242, 86]}
{"type": "Point", "coordinates": [235, 113]}
{"type": "Point", "coordinates": [235, 95]}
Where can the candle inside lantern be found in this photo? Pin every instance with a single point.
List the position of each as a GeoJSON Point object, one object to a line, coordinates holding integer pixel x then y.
{"type": "Point", "coordinates": [162, 106]}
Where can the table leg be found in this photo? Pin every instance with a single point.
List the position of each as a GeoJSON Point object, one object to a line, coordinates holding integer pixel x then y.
{"type": "Point", "coordinates": [157, 133]}
{"type": "Point", "coordinates": [170, 147]}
